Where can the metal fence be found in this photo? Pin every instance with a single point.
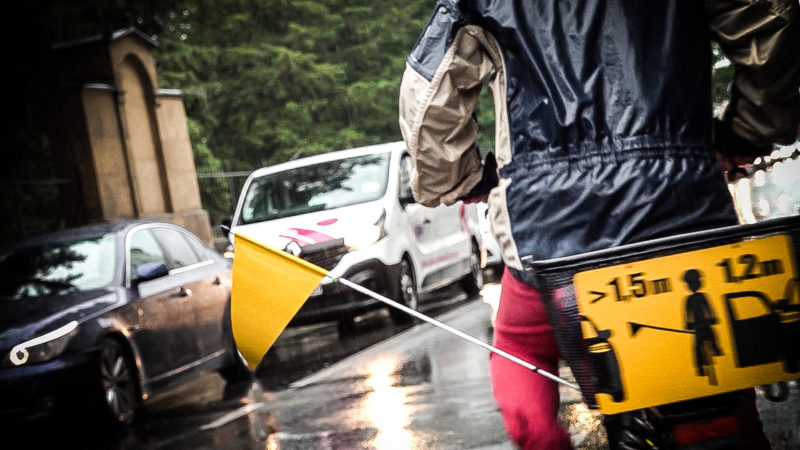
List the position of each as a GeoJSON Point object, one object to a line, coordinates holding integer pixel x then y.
{"type": "Point", "coordinates": [219, 192]}
{"type": "Point", "coordinates": [29, 207]}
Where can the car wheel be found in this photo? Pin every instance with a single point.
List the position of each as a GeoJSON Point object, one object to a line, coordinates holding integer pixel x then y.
{"type": "Point", "coordinates": [473, 282]}
{"type": "Point", "coordinates": [118, 378]}
{"type": "Point", "coordinates": [407, 294]}
{"type": "Point", "coordinates": [346, 325]}
{"type": "Point", "coordinates": [236, 369]}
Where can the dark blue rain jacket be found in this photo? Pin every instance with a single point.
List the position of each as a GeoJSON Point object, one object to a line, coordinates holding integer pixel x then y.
{"type": "Point", "coordinates": [603, 113]}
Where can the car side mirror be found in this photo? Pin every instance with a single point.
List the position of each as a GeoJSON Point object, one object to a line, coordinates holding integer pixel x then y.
{"type": "Point", "coordinates": [225, 225]}
{"type": "Point", "coordinates": [151, 271]}
{"type": "Point", "coordinates": [406, 197]}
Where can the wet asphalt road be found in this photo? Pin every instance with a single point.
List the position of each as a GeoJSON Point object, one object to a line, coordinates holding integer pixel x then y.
{"type": "Point", "coordinates": [382, 387]}
{"type": "Point", "coordinates": [278, 411]}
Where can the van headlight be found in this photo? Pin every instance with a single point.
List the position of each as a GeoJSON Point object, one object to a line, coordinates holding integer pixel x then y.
{"type": "Point", "coordinates": [363, 237]}
{"type": "Point", "coordinates": [42, 348]}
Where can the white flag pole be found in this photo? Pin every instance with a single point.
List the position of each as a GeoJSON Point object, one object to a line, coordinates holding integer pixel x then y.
{"type": "Point", "coordinates": [452, 330]}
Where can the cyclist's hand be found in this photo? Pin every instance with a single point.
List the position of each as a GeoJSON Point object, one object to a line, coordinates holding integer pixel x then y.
{"type": "Point", "coordinates": [734, 166]}
{"type": "Point", "coordinates": [733, 151]}
{"type": "Point", "coordinates": [489, 179]}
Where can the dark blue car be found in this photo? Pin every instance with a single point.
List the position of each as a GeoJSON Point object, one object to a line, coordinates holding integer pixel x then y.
{"type": "Point", "coordinates": [108, 315]}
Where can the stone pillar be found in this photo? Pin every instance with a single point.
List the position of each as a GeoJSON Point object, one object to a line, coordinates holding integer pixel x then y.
{"type": "Point", "coordinates": [121, 141]}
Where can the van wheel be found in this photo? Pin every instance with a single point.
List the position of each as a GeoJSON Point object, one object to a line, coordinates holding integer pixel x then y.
{"type": "Point", "coordinates": [407, 295]}
{"type": "Point", "coordinates": [473, 282]}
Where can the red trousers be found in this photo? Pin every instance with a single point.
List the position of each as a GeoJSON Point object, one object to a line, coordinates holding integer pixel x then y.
{"type": "Point", "coordinates": [528, 402]}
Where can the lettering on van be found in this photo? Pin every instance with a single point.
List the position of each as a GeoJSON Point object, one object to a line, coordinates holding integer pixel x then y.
{"type": "Point", "coordinates": [439, 259]}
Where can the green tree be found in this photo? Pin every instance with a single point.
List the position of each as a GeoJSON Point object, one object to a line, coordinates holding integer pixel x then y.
{"type": "Point", "coordinates": [270, 79]}
{"type": "Point", "coordinates": [264, 81]}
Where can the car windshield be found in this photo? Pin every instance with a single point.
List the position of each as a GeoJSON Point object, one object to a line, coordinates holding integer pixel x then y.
{"type": "Point", "coordinates": [56, 268]}
{"type": "Point", "coordinates": [327, 185]}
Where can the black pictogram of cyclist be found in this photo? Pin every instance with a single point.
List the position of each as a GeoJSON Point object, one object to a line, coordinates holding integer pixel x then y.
{"type": "Point", "coordinates": [700, 319]}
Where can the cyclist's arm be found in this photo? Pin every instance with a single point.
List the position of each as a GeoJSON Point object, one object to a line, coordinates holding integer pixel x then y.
{"type": "Point", "coordinates": [438, 92]}
{"type": "Point", "coordinates": [762, 40]}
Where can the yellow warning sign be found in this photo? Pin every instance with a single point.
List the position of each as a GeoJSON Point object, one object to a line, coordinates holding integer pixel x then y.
{"type": "Point", "coordinates": [692, 324]}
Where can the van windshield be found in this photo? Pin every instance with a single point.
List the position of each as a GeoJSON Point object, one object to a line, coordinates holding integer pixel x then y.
{"type": "Point", "coordinates": [327, 185]}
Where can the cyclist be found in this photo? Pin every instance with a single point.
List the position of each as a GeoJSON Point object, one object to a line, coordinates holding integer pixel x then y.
{"type": "Point", "coordinates": [603, 136]}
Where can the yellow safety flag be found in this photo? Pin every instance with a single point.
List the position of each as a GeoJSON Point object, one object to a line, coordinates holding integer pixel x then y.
{"type": "Point", "coordinates": [269, 287]}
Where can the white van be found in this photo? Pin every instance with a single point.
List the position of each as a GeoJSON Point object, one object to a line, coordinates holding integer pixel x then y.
{"type": "Point", "coordinates": [352, 213]}
{"type": "Point", "coordinates": [492, 256]}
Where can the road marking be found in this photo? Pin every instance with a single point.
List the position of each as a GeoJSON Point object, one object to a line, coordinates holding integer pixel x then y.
{"type": "Point", "coordinates": [233, 415]}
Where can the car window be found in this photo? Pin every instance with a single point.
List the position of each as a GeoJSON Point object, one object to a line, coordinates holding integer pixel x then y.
{"type": "Point", "coordinates": [200, 250]}
{"type": "Point", "coordinates": [144, 249]}
{"type": "Point", "coordinates": [177, 250]}
{"type": "Point", "coordinates": [58, 267]}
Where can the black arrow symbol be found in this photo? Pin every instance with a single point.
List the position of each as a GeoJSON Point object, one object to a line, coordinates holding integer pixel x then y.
{"type": "Point", "coordinates": [600, 296]}
{"type": "Point", "coordinates": [635, 327]}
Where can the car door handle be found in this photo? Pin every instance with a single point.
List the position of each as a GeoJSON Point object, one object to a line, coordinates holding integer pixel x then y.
{"type": "Point", "coordinates": [183, 292]}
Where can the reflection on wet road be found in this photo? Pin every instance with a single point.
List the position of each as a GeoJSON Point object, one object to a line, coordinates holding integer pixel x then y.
{"type": "Point", "coordinates": [422, 388]}
{"type": "Point", "coordinates": [301, 351]}
{"type": "Point", "coordinates": [386, 406]}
